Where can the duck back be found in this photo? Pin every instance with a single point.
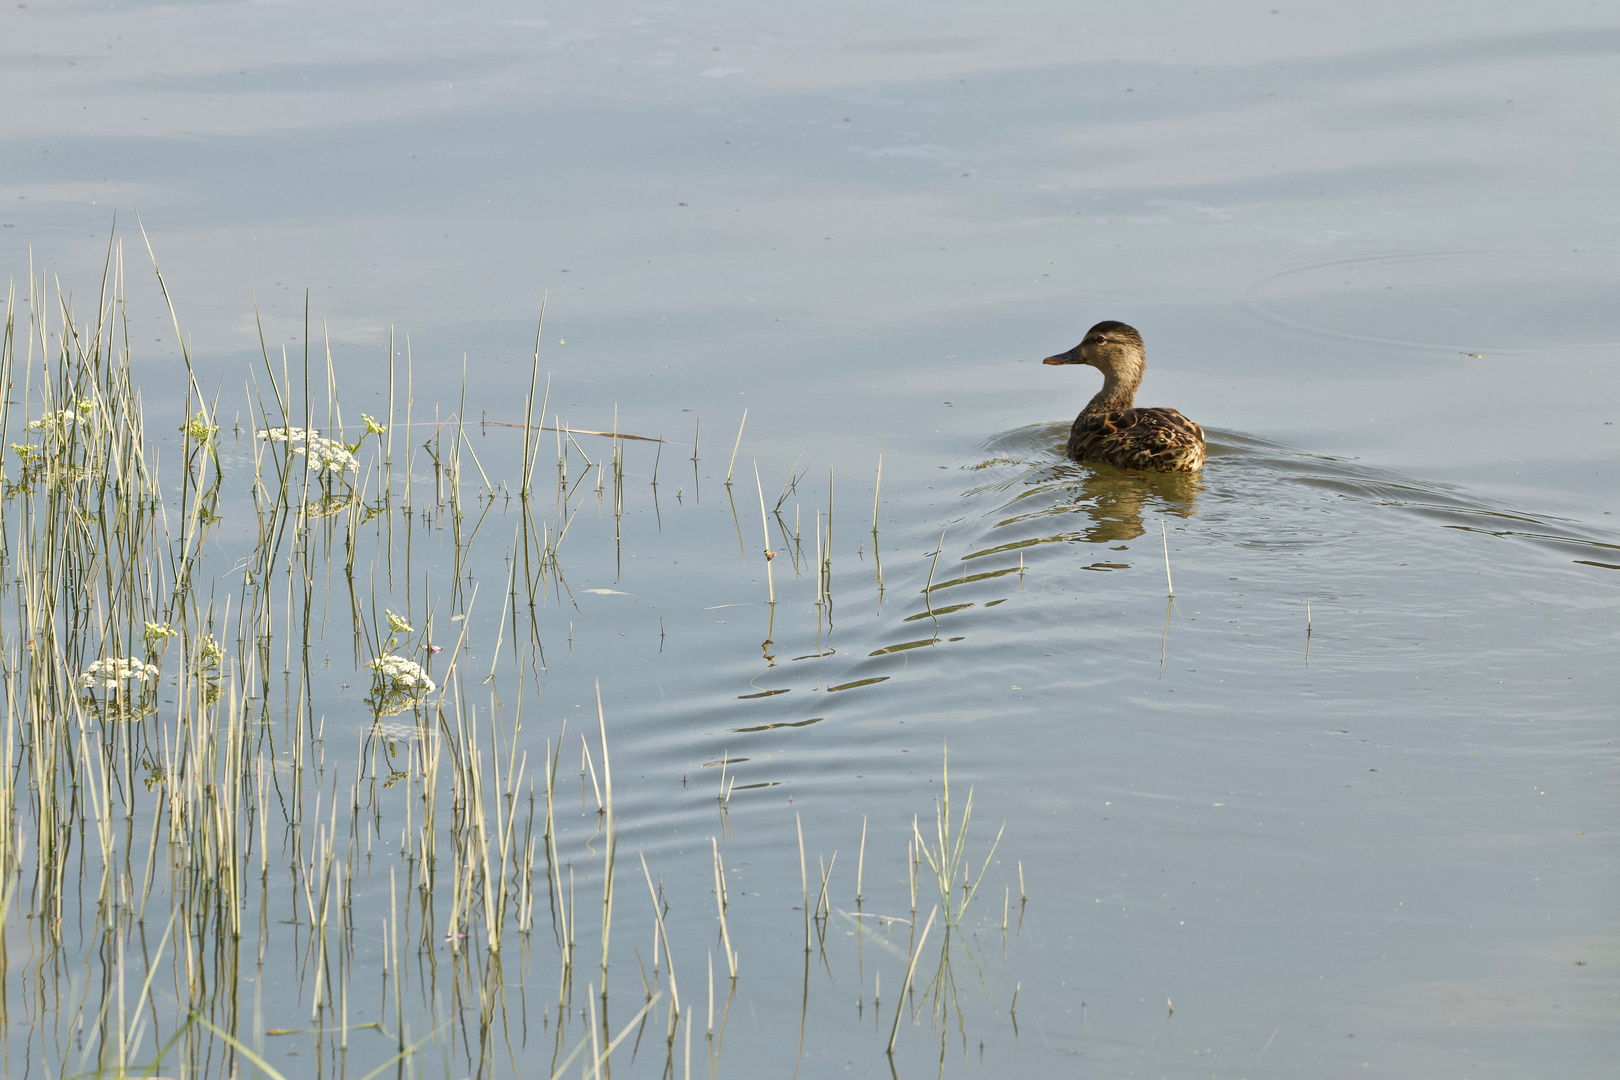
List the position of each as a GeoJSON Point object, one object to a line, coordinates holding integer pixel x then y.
{"type": "Point", "coordinates": [1154, 440]}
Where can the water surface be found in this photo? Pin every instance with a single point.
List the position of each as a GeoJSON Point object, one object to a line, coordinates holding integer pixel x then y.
{"type": "Point", "coordinates": [1342, 802]}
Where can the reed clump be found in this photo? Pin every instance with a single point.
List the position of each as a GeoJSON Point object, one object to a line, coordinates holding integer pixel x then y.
{"type": "Point", "coordinates": [179, 827]}
{"type": "Point", "coordinates": [214, 848]}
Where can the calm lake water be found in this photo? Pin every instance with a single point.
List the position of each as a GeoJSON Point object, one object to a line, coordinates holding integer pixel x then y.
{"type": "Point", "coordinates": [1344, 806]}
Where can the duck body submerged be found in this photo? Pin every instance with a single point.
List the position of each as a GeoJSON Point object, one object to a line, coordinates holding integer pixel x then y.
{"type": "Point", "coordinates": [1111, 429]}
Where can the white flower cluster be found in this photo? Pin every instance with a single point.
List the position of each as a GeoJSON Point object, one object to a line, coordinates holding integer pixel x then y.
{"type": "Point", "coordinates": [397, 624]}
{"type": "Point", "coordinates": [325, 455]}
{"type": "Point", "coordinates": [402, 672]}
{"type": "Point", "coordinates": [56, 423]}
{"type": "Point", "coordinates": [400, 684]}
{"type": "Point", "coordinates": [286, 434]}
{"type": "Point", "coordinates": [115, 671]}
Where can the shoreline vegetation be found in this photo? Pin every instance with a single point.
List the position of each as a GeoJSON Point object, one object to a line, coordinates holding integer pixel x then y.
{"type": "Point", "coordinates": [182, 850]}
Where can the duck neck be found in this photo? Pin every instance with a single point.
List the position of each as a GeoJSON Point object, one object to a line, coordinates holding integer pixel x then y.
{"type": "Point", "coordinates": [1118, 391]}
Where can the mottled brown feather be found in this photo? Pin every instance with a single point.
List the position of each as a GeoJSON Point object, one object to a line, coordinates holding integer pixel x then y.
{"type": "Point", "coordinates": [1156, 440]}
{"type": "Point", "coordinates": [1111, 428]}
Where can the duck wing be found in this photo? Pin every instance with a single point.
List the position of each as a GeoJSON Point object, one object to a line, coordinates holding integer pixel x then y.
{"type": "Point", "coordinates": [1156, 440]}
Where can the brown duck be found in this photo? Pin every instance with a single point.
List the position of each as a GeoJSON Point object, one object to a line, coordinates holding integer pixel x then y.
{"type": "Point", "coordinates": [1111, 428]}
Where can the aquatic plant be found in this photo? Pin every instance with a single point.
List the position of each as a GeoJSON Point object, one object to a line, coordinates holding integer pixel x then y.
{"type": "Point", "coordinates": [400, 671]}
{"type": "Point", "coordinates": [327, 455]}
{"type": "Point", "coordinates": [153, 850]}
{"type": "Point", "coordinates": [199, 428]}
{"type": "Point", "coordinates": [399, 683]}
{"type": "Point", "coordinates": [285, 434]}
{"type": "Point", "coordinates": [57, 423]}
{"type": "Point", "coordinates": [324, 455]}
{"type": "Point", "coordinates": [947, 855]}
{"type": "Point", "coordinates": [117, 673]}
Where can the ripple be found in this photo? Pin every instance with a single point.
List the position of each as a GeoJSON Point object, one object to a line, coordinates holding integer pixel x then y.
{"type": "Point", "coordinates": [1467, 301]}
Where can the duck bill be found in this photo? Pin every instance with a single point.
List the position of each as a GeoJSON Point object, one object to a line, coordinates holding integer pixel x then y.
{"type": "Point", "coordinates": [1070, 357]}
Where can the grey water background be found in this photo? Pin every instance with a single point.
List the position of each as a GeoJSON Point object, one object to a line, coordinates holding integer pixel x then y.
{"type": "Point", "coordinates": [1371, 248]}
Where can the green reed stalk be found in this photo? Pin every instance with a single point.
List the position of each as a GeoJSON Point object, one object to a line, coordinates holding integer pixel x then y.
{"type": "Point", "coordinates": [1164, 538]}
{"type": "Point", "coordinates": [860, 863]}
{"type": "Point", "coordinates": [720, 904]}
{"type": "Point", "coordinates": [804, 881]}
{"type": "Point", "coordinates": [610, 827]}
{"type": "Point", "coordinates": [765, 531]}
{"type": "Point", "coordinates": [905, 986]}
{"type": "Point", "coordinates": [735, 448]}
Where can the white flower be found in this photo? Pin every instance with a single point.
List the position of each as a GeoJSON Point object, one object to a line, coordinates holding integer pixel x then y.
{"type": "Point", "coordinates": [406, 673]}
{"type": "Point", "coordinates": [115, 671]}
{"type": "Point", "coordinates": [286, 434]}
{"type": "Point", "coordinates": [326, 455]}
{"type": "Point", "coordinates": [399, 684]}
{"type": "Point", "coordinates": [55, 423]}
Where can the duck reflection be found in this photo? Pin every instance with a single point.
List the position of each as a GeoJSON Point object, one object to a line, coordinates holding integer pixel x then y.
{"type": "Point", "coordinates": [1116, 499]}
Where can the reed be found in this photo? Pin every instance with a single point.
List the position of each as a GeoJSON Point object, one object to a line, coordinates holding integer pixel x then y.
{"type": "Point", "coordinates": [610, 829]}
{"type": "Point", "coordinates": [734, 448]}
{"type": "Point", "coordinates": [947, 854]}
{"type": "Point", "coordinates": [721, 904]}
{"type": "Point", "coordinates": [765, 531]}
{"type": "Point", "coordinates": [877, 495]}
{"type": "Point", "coordinates": [905, 986]}
{"type": "Point", "coordinates": [178, 619]}
{"type": "Point", "coordinates": [111, 590]}
{"type": "Point", "coordinates": [804, 882]}
{"type": "Point", "coordinates": [663, 935]}
{"type": "Point", "coordinates": [1164, 538]}
{"type": "Point", "coordinates": [860, 862]}
{"type": "Point", "coordinates": [928, 587]}
{"type": "Point", "coordinates": [790, 484]}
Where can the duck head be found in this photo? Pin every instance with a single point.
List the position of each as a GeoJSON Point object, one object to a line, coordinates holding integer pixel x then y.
{"type": "Point", "coordinates": [1112, 347]}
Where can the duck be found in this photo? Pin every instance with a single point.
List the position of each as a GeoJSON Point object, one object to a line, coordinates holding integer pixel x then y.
{"type": "Point", "coordinates": [1111, 429]}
